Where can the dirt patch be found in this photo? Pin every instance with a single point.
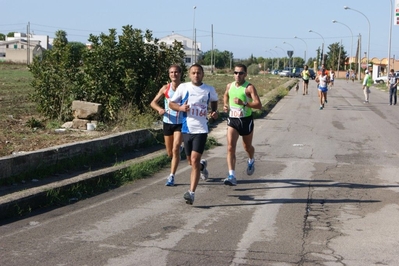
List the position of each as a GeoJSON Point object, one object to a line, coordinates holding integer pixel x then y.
{"type": "Point", "coordinates": [17, 136]}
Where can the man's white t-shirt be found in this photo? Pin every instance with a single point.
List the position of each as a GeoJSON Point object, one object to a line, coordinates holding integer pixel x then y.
{"type": "Point", "coordinates": [195, 121]}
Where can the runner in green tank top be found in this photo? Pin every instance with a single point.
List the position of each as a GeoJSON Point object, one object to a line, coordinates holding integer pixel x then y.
{"type": "Point", "coordinates": [239, 99]}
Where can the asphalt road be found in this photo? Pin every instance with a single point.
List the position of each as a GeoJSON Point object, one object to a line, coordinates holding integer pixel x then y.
{"type": "Point", "coordinates": [325, 192]}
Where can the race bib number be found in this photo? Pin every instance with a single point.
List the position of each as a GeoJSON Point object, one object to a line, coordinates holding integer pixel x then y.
{"type": "Point", "coordinates": [198, 111]}
{"type": "Point", "coordinates": [236, 112]}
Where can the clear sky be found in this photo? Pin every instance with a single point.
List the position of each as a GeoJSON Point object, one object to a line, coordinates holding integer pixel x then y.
{"type": "Point", "coordinates": [244, 27]}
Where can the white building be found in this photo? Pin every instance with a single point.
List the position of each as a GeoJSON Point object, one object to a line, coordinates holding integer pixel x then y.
{"type": "Point", "coordinates": [192, 55]}
{"type": "Point", "coordinates": [15, 49]}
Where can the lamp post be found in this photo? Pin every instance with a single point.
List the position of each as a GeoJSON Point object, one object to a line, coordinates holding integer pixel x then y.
{"type": "Point", "coordinates": [296, 37]}
{"type": "Point", "coordinates": [322, 46]}
{"type": "Point", "coordinates": [273, 51]}
{"type": "Point", "coordinates": [334, 21]}
{"type": "Point", "coordinates": [368, 21]}
{"type": "Point", "coordinates": [265, 60]}
{"type": "Point", "coordinates": [390, 37]}
{"type": "Point", "coordinates": [293, 48]}
{"type": "Point", "coordinates": [283, 52]}
{"type": "Point", "coordinates": [293, 60]}
{"type": "Point", "coordinates": [278, 59]}
{"type": "Point", "coordinates": [194, 44]}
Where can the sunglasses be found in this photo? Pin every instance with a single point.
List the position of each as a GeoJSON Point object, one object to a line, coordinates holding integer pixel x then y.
{"type": "Point", "coordinates": [239, 73]}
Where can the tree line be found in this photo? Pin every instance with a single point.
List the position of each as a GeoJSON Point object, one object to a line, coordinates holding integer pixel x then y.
{"type": "Point", "coordinates": [223, 59]}
{"type": "Point", "coordinates": [126, 71]}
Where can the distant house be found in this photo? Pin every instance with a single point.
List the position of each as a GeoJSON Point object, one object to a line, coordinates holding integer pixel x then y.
{"type": "Point", "coordinates": [22, 48]}
{"type": "Point", "coordinates": [192, 50]}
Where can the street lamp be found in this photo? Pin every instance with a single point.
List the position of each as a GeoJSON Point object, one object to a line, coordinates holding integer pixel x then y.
{"type": "Point", "coordinates": [272, 60]}
{"type": "Point", "coordinates": [390, 35]}
{"type": "Point", "coordinates": [305, 45]}
{"type": "Point", "coordinates": [293, 60]}
{"type": "Point", "coordinates": [289, 45]}
{"type": "Point", "coordinates": [194, 44]}
{"type": "Point", "coordinates": [283, 52]}
{"type": "Point", "coordinates": [322, 46]}
{"type": "Point", "coordinates": [278, 59]}
{"type": "Point", "coordinates": [274, 51]}
{"type": "Point", "coordinates": [334, 21]}
{"type": "Point", "coordinates": [368, 21]}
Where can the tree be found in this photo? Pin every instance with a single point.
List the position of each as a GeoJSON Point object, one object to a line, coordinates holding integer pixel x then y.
{"type": "Point", "coordinates": [336, 51]}
{"type": "Point", "coordinates": [56, 77]}
{"type": "Point", "coordinates": [250, 61]}
{"type": "Point", "coordinates": [220, 59]}
{"type": "Point", "coordinates": [253, 69]}
{"type": "Point", "coordinates": [311, 61]}
{"type": "Point", "coordinates": [298, 61]}
{"type": "Point", "coordinates": [128, 72]}
{"type": "Point", "coordinates": [2, 37]}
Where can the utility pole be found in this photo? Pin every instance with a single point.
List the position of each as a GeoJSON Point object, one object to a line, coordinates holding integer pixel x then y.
{"type": "Point", "coordinates": [212, 49]}
{"type": "Point", "coordinates": [360, 56]}
{"type": "Point", "coordinates": [195, 46]}
{"type": "Point", "coordinates": [339, 58]}
{"type": "Point", "coordinates": [28, 44]}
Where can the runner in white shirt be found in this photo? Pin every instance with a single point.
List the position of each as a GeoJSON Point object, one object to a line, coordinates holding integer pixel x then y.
{"type": "Point", "coordinates": [192, 98]}
{"type": "Point", "coordinates": [323, 79]}
{"type": "Point", "coordinates": [332, 77]}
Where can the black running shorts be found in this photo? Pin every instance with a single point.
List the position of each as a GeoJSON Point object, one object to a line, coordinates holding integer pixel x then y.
{"type": "Point", "coordinates": [244, 125]}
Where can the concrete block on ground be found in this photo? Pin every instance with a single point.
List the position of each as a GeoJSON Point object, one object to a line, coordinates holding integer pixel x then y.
{"type": "Point", "coordinates": [86, 110]}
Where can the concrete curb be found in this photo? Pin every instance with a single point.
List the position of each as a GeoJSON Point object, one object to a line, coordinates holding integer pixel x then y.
{"type": "Point", "coordinates": [35, 197]}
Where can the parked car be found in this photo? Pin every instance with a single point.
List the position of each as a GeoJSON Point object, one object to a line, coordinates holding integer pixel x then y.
{"type": "Point", "coordinates": [274, 71]}
{"type": "Point", "coordinates": [312, 73]}
{"type": "Point", "coordinates": [384, 79]}
{"type": "Point", "coordinates": [381, 79]}
{"type": "Point", "coordinates": [296, 74]}
{"type": "Point", "coordinates": [284, 73]}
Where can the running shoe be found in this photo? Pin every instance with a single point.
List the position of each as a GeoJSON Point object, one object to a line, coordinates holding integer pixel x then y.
{"type": "Point", "coordinates": [189, 197]}
{"type": "Point", "coordinates": [230, 181]}
{"type": "Point", "coordinates": [170, 182]}
{"type": "Point", "coordinates": [251, 168]}
{"type": "Point", "coordinates": [204, 172]}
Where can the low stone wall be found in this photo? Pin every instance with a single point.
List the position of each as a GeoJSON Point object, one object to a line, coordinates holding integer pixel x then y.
{"type": "Point", "coordinates": [21, 163]}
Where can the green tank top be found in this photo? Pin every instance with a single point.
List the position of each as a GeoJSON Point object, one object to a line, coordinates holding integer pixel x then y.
{"type": "Point", "coordinates": [305, 74]}
{"type": "Point", "coordinates": [237, 110]}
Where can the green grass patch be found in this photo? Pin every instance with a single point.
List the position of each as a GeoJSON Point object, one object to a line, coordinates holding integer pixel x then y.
{"type": "Point", "coordinates": [15, 88]}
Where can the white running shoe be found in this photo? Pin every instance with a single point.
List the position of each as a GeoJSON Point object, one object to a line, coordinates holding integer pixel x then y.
{"type": "Point", "coordinates": [204, 172]}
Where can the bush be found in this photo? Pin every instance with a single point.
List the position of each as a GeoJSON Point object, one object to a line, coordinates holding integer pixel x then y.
{"type": "Point", "coordinates": [116, 71]}
{"type": "Point", "coordinates": [253, 69]}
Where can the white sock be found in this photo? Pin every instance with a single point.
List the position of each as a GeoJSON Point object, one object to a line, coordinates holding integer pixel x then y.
{"type": "Point", "coordinates": [251, 160]}
{"type": "Point", "coordinates": [232, 172]}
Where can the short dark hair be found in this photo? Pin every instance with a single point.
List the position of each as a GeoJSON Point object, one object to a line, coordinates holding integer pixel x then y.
{"type": "Point", "coordinates": [196, 65]}
{"type": "Point", "coordinates": [242, 66]}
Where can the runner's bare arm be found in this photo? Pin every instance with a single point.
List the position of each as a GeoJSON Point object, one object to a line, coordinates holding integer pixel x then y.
{"type": "Point", "coordinates": [256, 103]}
{"type": "Point", "coordinates": [157, 98]}
{"type": "Point", "coordinates": [226, 98]}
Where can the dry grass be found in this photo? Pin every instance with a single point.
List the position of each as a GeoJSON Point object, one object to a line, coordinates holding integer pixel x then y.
{"type": "Point", "coordinates": [18, 115]}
